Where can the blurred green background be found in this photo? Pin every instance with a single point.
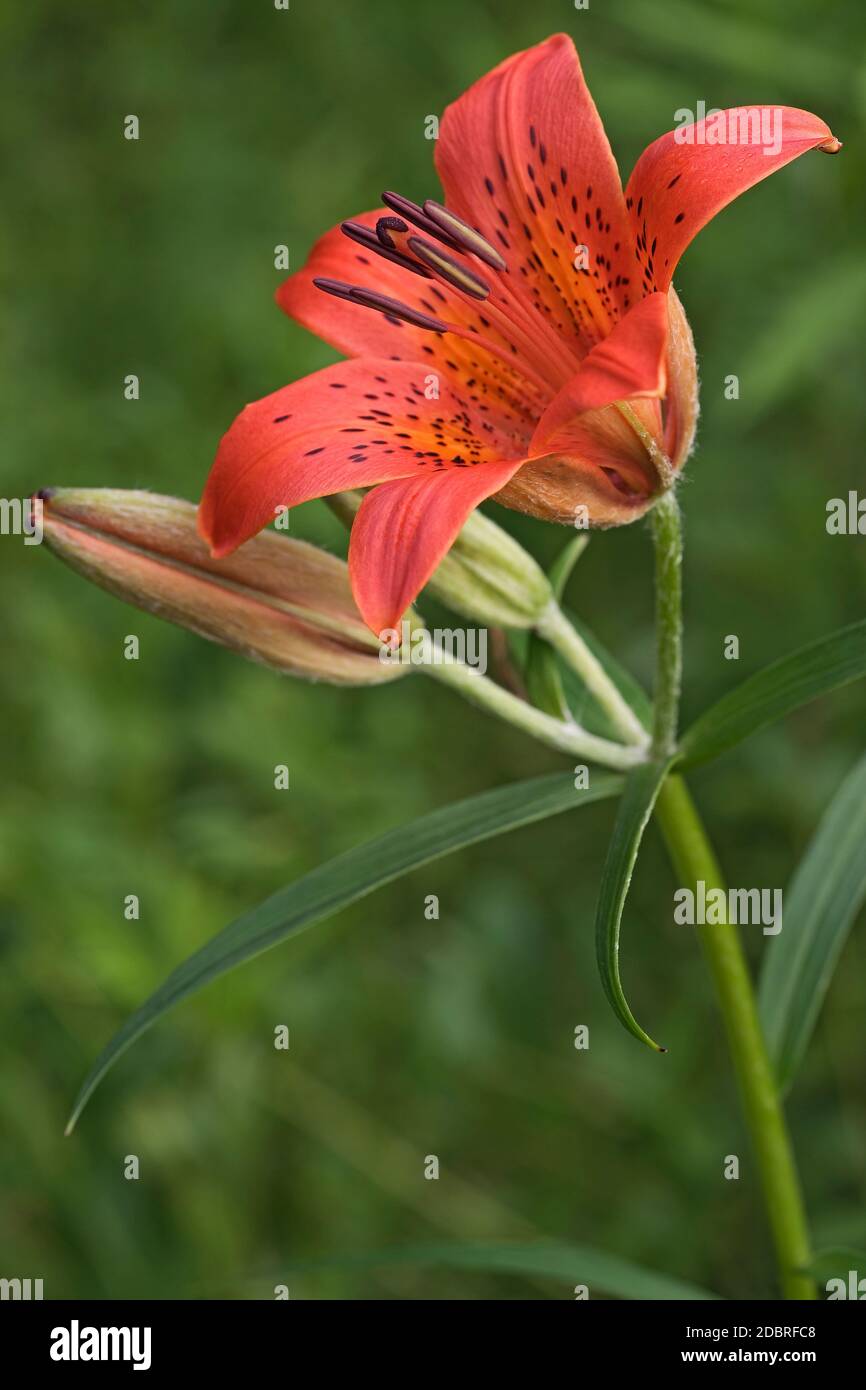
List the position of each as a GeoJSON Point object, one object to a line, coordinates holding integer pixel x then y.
{"type": "Point", "coordinates": [408, 1037]}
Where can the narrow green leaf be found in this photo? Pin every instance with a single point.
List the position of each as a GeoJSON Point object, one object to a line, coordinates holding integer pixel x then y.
{"type": "Point", "coordinates": [825, 895]}
{"type": "Point", "coordinates": [344, 880]}
{"type": "Point", "coordinates": [543, 678]}
{"type": "Point", "coordinates": [641, 789]}
{"type": "Point", "coordinates": [585, 707]}
{"type": "Point", "coordinates": [776, 691]}
{"type": "Point", "coordinates": [576, 701]}
{"type": "Point", "coordinates": [561, 570]}
{"type": "Point", "coordinates": [570, 1264]}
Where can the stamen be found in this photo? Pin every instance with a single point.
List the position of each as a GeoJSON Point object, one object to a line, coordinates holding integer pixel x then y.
{"type": "Point", "coordinates": [370, 299]}
{"type": "Point", "coordinates": [366, 237]}
{"type": "Point", "coordinates": [334, 287]}
{"type": "Point", "coordinates": [404, 207]}
{"type": "Point", "coordinates": [464, 235]}
{"type": "Point", "coordinates": [450, 270]}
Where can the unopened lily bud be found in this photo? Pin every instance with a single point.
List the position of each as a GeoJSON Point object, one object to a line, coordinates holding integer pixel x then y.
{"type": "Point", "coordinates": [486, 574]}
{"type": "Point", "coordinates": [277, 601]}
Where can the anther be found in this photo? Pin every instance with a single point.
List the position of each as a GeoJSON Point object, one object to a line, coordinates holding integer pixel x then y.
{"type": "Point", "coordinates": [366, 237]}
{"type": "Point", "coordinates": [448, 268]}
{"type": "Point", "coordinates": [334, 287]}
{"type": "Point", "coordinates": [404, 207]}
{"type": "Point", "coordinates": [370, 299]}
{"type": "Point", "coordinates": [465, 236]}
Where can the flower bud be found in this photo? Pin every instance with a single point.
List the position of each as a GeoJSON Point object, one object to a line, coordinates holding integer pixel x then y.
{"type": "Point", "coordinates": [277, 601]}
{"type": "Point", "coordinates": [486, 574]}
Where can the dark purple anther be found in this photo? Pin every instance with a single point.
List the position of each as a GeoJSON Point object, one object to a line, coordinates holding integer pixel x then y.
{"type": "Point", "coordinates": [335, 287]}
{"type": "Point", "coordinates": [449, 269]}
{"type": "Point", "coordinates": [465, 236]}
{"type": "Point", "coordinates": [371, 300]}
{"type": "Point", "coordinates": [404, 207]}
{"type": "Point", "coordinates": [366, 237]}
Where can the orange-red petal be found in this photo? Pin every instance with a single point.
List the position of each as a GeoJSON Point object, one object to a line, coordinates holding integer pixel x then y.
{"type": "Point", "coordinates": [358, 331]}
{"type": "Point", "coordinates": [630, 362]}
{"type": "Point", "coordinates": [523, 156]}
{"type": "Point", "coordinates": [354, 424]}
{"type": "Point", "coordinates": [688, 175]}
{"type": "Point", "coordinates": [403, 530]}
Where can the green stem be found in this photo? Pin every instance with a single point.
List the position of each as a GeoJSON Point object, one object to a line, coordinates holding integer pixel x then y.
{"type": "Point", "coordinates": [694, 860]}
{"type": "Point", "coordinates": [566, 738]}
{"type": "Point", "coordinates": [555, 628]}
{"type": "Point", "coordinates": [667, 537]}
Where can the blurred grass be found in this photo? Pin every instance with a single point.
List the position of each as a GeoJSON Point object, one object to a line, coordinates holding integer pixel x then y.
{"type": "Point", "coordinates": [451, 1037]}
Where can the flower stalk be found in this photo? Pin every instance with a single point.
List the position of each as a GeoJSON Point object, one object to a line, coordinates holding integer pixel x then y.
{"type": "Point", "coordinates": [555, 628]}
{"type": "Point", "coordinates": [568, 738]}
{"type": "Point", "coordinates": [694, 861]}
{"type": "Point", "coordinates": [667, 538]}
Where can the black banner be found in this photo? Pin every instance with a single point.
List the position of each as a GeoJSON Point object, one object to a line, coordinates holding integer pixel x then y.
{"type": "Point", "coordinates": [84, 1338]}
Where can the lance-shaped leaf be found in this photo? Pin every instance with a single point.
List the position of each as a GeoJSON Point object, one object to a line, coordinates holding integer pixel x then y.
{"type": "Point", "coordinates": [557, 1260]}
{"type": "Point", "coordinates": [543, 678]}
{"type": "Point", "coordinates": [558, 689]}
{"type": "Point", "coordinates": [642, 788]}
{"type": "Point", "coordinates": [776, 691]}
{"type": "Point", "coordinates": [583, 703]}
{"type": "Point", "coordinates": [344, 880]}
{"type": "Point", "coordinates": [826, 893]}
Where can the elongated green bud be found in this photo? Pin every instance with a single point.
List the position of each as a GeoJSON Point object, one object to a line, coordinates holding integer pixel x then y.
{"type": "Point", "coordinates": [277, 601]}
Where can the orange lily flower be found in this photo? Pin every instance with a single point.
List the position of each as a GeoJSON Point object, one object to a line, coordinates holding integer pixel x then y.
{"type": "Point", "coordinates": [525, 341]}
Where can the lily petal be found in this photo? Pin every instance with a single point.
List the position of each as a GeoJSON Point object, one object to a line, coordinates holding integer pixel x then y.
{"type": "Point", "coordinates": [402, 531]}
{"type": "Point", "coordinates": [523, 156]}
{"type": "Point", "coordinates": [678, 186]}
{"type": "Point", "coordinates": [630, 362]}
{"type": "Point", "coordinates": [682, 399]}
{"type": "Point", "coordinates": [354, 424]}
{"type": "Point", "coordinates": [359, 332]}
{"type": "Point", "coordinates": [597, 463]}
